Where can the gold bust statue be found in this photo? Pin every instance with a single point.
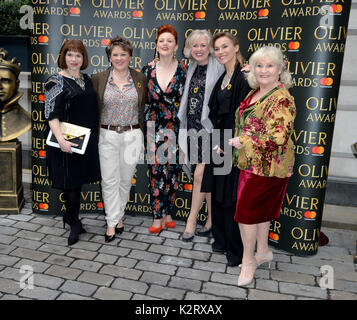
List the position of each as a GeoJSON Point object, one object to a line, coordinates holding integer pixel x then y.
{"type": "Point", "coordinates": [14, 120]}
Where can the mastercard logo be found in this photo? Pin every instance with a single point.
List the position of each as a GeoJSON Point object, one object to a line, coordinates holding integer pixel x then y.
{"type": "Point", "coordinates": [318, 150]}
{"type": "Point", "coordinates": [273, 236]}
{"type": "Point", "coordinates": [138, 14]}
{"type": "Point", "coordinates": [42, 153]}
{"type": "Point", "coordinates": [200, 15]}
{"type": "Point", "coordinates": [105, 42]}
{"type": "Point", "coordinates": [187, 187]}
{"type": "Point", "coordinates": [326, 81]}
{"type": "Point", "coordinates": [133, 181]}
{"type": "Point", "coordinates": [310, 215]}
{"type": "Point", "coordinates": [263, 13]}
{"type": "Point", "coordinates": [75, 11]}
{"type": "Point", "coordinates": [100, 205]}
{"type": "Point", "coordinates": [294, 45]}
{"type": "Point", "coordinates": [336, 8]}
{"type": "Point", "coordinates": [41, 98]}
{"type": "Point", "coordinates": [43, 40]}
{"type": "Point", "coordinates": [43, 206]}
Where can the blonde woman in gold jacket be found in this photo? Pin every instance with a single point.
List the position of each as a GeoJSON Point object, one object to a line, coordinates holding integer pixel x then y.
{"type": "Point", "coordinates": [264, 154]}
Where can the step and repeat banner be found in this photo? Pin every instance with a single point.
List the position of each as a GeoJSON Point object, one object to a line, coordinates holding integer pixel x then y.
{"type": "Point", "coordinates": [312, 34]}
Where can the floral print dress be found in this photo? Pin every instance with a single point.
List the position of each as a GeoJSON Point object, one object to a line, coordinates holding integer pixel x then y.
{"type": "Point", "coordinates": [162, 128]}
{"type": "Point", "coordinates": [265, 130]}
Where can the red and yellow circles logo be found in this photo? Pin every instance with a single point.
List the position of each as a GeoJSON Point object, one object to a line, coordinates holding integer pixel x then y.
{"type": "Point", "coordinates": [138, 14]}
{"type": "Point", "coordinates": [273, 237]}
{"type": "Point", "coordinates": [133, 181]}
{"type": "Point", "coordinates": [294, 45]}
{"type": "Point", "coordinates": [75, 11]}
{"type": "Point", "coordinates": [200, 15]}
{"type": "Point", "coordinates": [326, 82]}
{"type": "Point", "coordinates": [310, 215]}
{"type": "Point", "coordinates": [42, 154]}
{"type": "Point", "coordinates": [187, 187]}
{"type": "Point", "coordinates": [100, 205]}
{"type": "Point", "coordinates": [263, 13]}
{"type": "Point", "coordinates": [105, 42]}
{"type": "Point", "coordinates": [43, 40]}
{"type": "Point", "coordinates": [336, 8]}
{"type": "Point", "coordinates": [318, 150]}
{"type": "Point", "coordinates": [43, 206]}
{"type": "Point", "coordinates": [41, 98]}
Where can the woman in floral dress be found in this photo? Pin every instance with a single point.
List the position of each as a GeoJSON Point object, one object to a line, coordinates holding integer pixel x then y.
{"type": "Point", "coordinates": [166, 79]}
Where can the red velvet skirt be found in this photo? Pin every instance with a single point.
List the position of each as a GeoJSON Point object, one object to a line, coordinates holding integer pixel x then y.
{"type": "Point", "coordinates": [259, 199]}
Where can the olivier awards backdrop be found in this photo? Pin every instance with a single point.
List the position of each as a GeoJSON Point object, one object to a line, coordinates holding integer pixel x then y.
{"type": "Point", "coordinates": [311, 34]}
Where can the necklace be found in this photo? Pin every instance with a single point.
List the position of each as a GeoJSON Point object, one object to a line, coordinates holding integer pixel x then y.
{"type": "Point", "coordinates": [79, 81]}
{"type": "Point", "coordinates": [227, 78]}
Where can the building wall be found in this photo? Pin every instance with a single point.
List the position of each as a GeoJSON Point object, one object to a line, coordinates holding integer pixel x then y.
{"type": "Point", "coordinates": [342, 177]}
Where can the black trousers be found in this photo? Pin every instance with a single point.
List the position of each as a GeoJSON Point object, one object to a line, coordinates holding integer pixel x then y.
{"type": "Point", "coordinates": [226, 232]}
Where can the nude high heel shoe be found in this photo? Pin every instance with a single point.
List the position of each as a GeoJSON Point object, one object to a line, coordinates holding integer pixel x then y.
{"type": "Point", "coordinates": [246, 277]}
{"type": "Point", "coordinates": [265, 257]}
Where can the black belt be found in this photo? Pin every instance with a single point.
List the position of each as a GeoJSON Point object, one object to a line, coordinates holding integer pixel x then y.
{"type": "Point", "coordinates": [120, 129]}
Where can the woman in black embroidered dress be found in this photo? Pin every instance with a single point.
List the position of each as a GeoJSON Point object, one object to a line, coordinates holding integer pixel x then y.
{"type": "Point", "coordinates": [70, 97]}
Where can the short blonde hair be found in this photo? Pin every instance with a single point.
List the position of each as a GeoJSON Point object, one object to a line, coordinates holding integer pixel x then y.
{"type": "Point", "coordinates": [277, 56]}
{"type": "Point", "coordinates": [192, 38]}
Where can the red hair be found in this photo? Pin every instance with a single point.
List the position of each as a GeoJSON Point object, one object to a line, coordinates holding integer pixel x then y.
{"type": "Point", "coordinates": [166, 28]}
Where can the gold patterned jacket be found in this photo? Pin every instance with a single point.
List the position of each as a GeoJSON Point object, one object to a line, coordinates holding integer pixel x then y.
{"type": "Point", "coordinates": [265, 130]}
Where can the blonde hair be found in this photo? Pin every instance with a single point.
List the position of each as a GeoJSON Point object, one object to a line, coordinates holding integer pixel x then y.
{"type": "Point", "coordinates": [277, 56]}
{"type": "Point", "coordinates": [193, 37]}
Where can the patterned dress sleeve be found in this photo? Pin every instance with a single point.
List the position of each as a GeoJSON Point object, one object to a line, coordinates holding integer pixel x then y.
{"type": "Point", "coordinates": [54, 100]}
{"type": "Point", "coordinates": [272, 130]}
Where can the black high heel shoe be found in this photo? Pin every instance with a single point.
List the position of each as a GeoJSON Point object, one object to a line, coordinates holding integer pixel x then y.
{"type": "Point", "coordinates": [74, 234]}
{"type": "Point", "coordinates": [109, 238]}
{"type": "Point", "coordinates": [119, 230]}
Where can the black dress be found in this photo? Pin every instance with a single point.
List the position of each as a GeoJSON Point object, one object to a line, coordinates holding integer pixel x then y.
{"type": "Point", "coordinates": [223, 105]}
{"type": "Point", "coordinates": [196, 95]}
{"type": "Point", "coordinates": [67, 101]}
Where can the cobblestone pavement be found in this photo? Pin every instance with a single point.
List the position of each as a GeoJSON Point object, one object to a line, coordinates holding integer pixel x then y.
{"type": "Point", "coordinates": [138, 265]}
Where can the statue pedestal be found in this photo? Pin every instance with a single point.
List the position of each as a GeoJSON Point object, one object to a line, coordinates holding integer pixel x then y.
{"type": "Point", "coordinates": [11, 188]}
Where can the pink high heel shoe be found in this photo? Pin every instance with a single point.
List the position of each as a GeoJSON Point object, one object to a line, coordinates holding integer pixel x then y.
{"type": "Point", "coordinates": [265, 257]}
{"type": "Point", "coordinates": [244, 279]}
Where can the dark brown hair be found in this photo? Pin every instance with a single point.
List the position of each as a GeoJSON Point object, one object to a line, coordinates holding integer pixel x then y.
{"type": "Point", "coordinates": [122, 43]}
{"type": "Point", "coordinates": [166, 28]}
{"type": "Point", "coordinates": [234, 40]}
{"type": "Point", "coordinates": [76, 46]}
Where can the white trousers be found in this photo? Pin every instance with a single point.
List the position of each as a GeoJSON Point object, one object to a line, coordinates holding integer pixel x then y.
{"type": "Point", "coordinates": [119, 154]}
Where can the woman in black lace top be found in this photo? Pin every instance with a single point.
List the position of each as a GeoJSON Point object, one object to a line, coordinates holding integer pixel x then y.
{"type": "Point", "coordinates": [70, 97]}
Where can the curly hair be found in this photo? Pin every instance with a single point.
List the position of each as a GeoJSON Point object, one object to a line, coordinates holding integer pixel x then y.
{"type": "Point", "coordinates": [122, 43]}
{"type": "Point", "coordinates": [166, 28]}
{"type": "Point", "coordinates": [277, 56]}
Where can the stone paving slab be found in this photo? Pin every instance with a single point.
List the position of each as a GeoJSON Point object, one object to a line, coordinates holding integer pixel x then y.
{"type": "Point", "coordinates": [141, 266]}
